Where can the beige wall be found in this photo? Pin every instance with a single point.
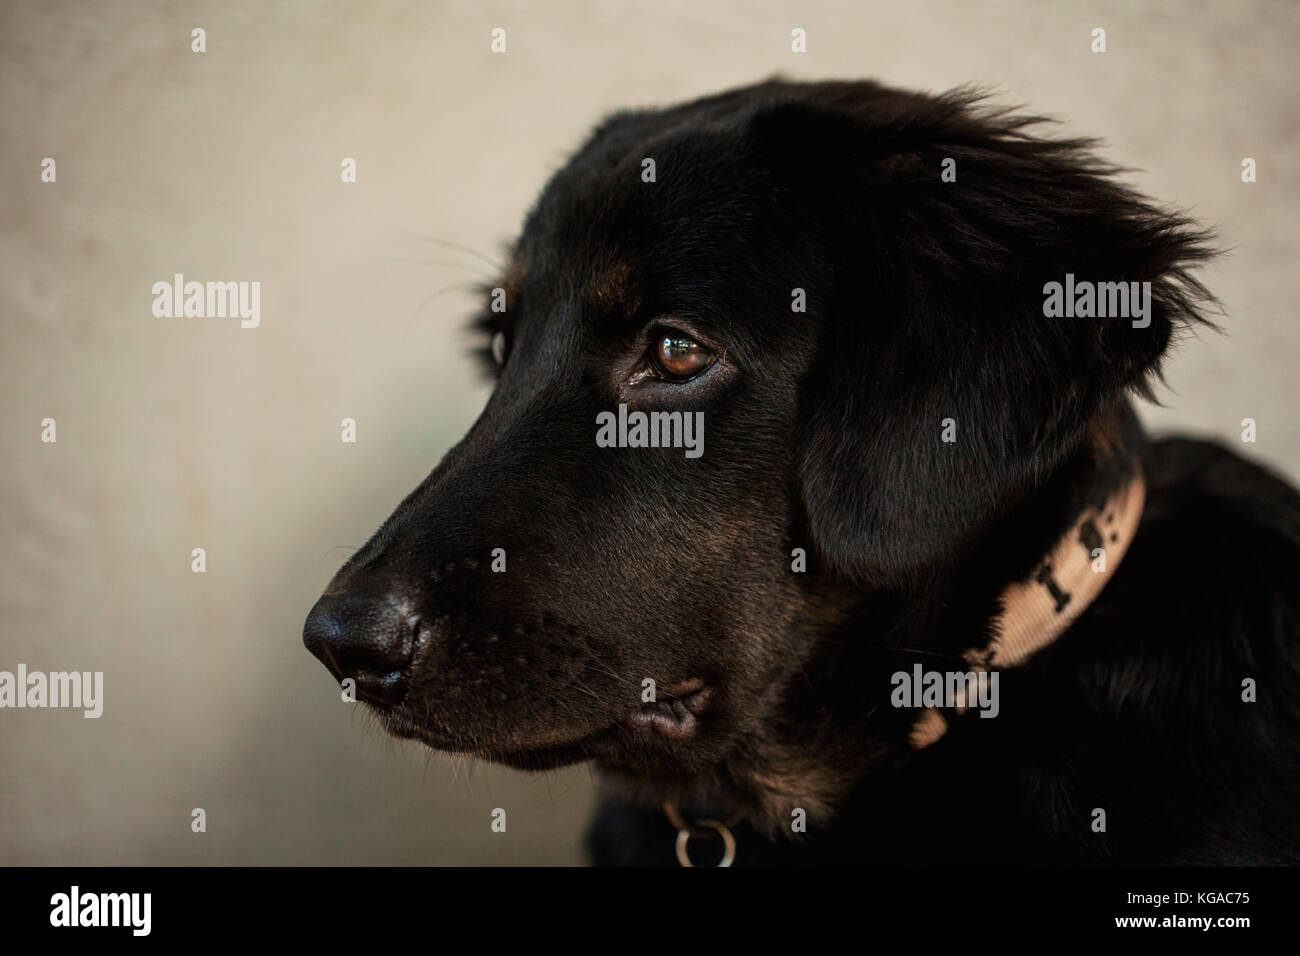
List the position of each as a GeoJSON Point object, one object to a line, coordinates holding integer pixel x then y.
{"type": "Point", "coordinates": [175, 433]}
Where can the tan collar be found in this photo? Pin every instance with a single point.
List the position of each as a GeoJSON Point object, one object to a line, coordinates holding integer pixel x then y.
{"type": "Point", "coordinates": [1038, 609]}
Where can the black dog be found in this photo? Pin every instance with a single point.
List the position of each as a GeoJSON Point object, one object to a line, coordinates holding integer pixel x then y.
{"type": "Point", "coordinates": [912, 327]}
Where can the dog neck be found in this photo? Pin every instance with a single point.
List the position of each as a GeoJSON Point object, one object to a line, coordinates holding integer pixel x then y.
{"type": "Point", "coordinates": [1035, 574]}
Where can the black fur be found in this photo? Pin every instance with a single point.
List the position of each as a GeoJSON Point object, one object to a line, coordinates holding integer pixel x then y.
{"type": "Point", "coordinates": [924, 302]}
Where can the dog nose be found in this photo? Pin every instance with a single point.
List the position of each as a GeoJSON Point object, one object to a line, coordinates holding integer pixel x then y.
{"type": "Point", "coordinates": [366, 639]}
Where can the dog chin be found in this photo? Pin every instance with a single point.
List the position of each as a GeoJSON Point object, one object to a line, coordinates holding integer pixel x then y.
{"type": "Point", "coordinates": [667, 726]}
{"type": "Point", "coordinates": [545, 752]}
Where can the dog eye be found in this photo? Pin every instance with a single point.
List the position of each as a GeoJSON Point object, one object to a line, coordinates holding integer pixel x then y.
{"type": "Point", "coordinates": [499, 349]}
{"type": "Point", "coordinates": [678, 358]}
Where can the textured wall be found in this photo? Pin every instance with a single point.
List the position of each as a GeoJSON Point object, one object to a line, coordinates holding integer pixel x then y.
{"type": "Point", "coordinates": [183, 433]}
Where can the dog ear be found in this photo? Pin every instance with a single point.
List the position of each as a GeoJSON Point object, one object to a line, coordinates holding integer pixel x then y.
{"type": "Point", "coordinates": [944, 393]}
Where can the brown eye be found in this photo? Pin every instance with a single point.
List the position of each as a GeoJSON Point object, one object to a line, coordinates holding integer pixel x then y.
{"type": "Point", "coordinates": [678, 358]}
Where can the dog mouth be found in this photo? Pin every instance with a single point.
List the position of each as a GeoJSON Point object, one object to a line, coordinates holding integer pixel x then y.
{"type": "Point", "coordinates": [678, 713]}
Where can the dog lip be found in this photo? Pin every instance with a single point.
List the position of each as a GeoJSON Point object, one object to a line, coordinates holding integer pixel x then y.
{"type": "Point", "coordinates": [685, 689]}
{"type": "Point", "coordinates": [546, 752]}
{"type": "Point", "coordinates": [676, 711]}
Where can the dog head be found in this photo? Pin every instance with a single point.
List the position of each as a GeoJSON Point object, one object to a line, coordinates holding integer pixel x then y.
{"type": "Point", "coordinates": [814, 281]}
